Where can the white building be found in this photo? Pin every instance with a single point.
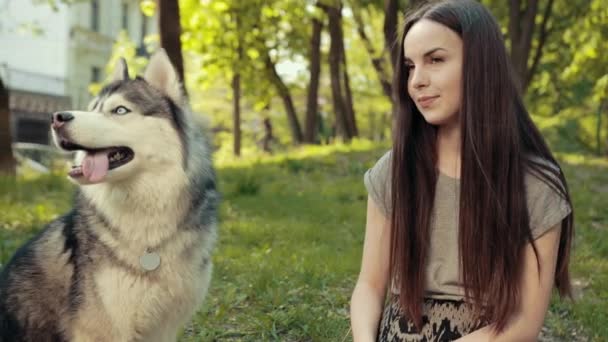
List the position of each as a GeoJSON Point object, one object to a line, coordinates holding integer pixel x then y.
{"type": "Point", "coordinates": [49, 56]}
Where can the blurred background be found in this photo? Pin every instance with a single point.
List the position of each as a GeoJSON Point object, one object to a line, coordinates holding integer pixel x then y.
{"type": "Point", "coordinates": [297, 94]}
{"type": "Point", "coordinates": [271, 74]}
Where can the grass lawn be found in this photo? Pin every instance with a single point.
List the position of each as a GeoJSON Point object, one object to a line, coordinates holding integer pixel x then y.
{"type": "Point", "coordinates": [291, 235]}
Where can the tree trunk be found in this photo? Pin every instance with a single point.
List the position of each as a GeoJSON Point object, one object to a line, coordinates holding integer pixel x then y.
{"type": "Point", "coordinates": [283, 90]}
{"type": "Point", "coordinates": [236, 90]}
{"type": "Point", "coordinates": [351, 121]}
{"type": "Point", "coordinates": [335, 66]}
{"type": "Point", "coordinates": [606, 146]}
{"type": "Point", "coordinates": [310, 130]}
{"type": "Point", "coordinates": [268, 136]}
{"type": "Point", "coordinates": [391, 8]}
{"type": "Point", "coordinates": [7, 161]}
{"type": "Point", "coordinates": [378, 60]}
{"type": "Point", "coordinates": [348, 96]}
{"type": "Point", "coordinates": [522, 27]}
{"type": "Point", "coordinates": [170, 35]}
{"type": "Point", "coordinates": [236, 118]}
{"type": "Point", "coordinates": [391, 38]}
{"type": "Point", "coordinates": [598, 127]}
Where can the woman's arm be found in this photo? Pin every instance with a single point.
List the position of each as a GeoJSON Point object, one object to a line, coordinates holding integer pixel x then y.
{"type": "Point", "coordinates": [368, 296]}
{"type": "Point", "coordinates": [526, 323]}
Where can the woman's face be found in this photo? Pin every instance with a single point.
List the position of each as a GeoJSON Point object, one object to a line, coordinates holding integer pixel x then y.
{"type": "Point", "coordinates": [433, 55]}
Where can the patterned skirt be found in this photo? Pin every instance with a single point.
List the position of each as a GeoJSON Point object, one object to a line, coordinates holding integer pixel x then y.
{"type": "Point", "coordinates": [443, 320]}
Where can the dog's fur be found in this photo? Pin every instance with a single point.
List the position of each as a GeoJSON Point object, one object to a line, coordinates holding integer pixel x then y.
{"type": "Point", "coordinates": [80, 278]}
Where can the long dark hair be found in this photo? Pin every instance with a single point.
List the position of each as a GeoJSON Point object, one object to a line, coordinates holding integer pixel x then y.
{"type": "Point", "coordinates": [500, 144]}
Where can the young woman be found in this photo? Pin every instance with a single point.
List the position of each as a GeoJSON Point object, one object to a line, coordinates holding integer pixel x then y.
{"type": "Point", "coordinates": [469, 221]}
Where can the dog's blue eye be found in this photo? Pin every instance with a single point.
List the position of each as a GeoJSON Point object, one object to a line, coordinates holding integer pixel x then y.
{"type": "Point", "coordinates": [121, 110]}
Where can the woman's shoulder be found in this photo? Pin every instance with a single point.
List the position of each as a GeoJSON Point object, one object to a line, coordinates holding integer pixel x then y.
{"type": "Point", "coordinates": [382, 167]}
{"type": "Point", "coordinates": [541, 172]}
{"type": "Point", "coordinates": [385, 160]}
{"type": "Point", "coordinates": [541, 161]}
{"type": "Point", "coordinates": [545, 194]}
{"type": "Point", "coordinates": [377, 181]}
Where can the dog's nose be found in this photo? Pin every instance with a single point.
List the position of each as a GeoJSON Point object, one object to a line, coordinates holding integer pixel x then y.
{"type": "Point", "coordinates": [59, 118]}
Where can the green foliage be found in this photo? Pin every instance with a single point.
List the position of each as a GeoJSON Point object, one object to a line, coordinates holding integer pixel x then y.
{"type": "Point", "coordinates": [221, 38]}
{"type": "Point", "coordinates": [125, 48]}
{"type": "Point", "coordinates": [570, 82]}
{"type": "Point", "coordinates": [148, 7]}
{"type": "Point", "coordinates": [26, 205]}
{"type": "Point", "coordinates": [213, 31]}
{"type": "Point", "coordinates": [372, 106]}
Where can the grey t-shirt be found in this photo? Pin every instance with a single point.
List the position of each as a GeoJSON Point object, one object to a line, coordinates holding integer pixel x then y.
{"type": "Point", "coordinates": [545, 206]}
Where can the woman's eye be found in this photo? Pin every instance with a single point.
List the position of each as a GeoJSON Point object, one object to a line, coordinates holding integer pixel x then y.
{"type": "Point", "coordinates": [409, 66]}
{"type": "Point", "coordinates": [436, 60]}
{"type": "Point", "coordinates": [121, 110]}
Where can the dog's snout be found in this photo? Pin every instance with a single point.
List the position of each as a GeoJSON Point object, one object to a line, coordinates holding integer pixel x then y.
{"type": "Point", "coordinates": [59, 118]}
{"type": "Point", "coordinates": [63, 117]}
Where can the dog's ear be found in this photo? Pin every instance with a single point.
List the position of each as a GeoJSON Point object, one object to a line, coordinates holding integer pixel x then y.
{"type": "Point", "coordinates": [121, 71]}
{"type": "Point", "coordinates": [161, 74]}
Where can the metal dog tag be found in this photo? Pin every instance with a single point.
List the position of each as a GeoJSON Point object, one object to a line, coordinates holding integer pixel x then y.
{"type": "Point", "coordinates": [149, 261]}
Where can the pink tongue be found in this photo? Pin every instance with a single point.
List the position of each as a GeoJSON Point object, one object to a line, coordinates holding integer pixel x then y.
{"type": "Point", "coordinates": [95, 166]}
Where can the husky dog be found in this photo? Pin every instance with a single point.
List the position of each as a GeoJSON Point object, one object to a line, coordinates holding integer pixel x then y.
{"type": "Point", "coordinates": [132, 260]}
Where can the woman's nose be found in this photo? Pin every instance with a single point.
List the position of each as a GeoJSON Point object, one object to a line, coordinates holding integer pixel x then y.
{"type": "Point", "coordinates": [418, 78]}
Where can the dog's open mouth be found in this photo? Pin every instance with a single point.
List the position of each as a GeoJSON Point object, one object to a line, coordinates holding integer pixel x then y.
{"type": "Point", "coordinates": [98, 161]}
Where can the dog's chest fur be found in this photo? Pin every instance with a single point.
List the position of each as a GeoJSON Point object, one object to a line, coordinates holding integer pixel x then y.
{"type": "Point", "coordinates": [138, 304]}
{"type": "Point", "coordinates": [135, 302]}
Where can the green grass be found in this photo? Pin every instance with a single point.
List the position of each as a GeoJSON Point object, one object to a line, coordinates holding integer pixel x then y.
{"type": "Point", "coordinates": [289, 251]}
{"type": "Point", "coordinates": [291, 235]}
{"type": "Point", "coordinates": [588, 182]}
{"type": "Point", "coordinates": [26, 205]}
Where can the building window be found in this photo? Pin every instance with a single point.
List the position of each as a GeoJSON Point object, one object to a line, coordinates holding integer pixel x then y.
{"type": "Point", "coordinates": [33, 131]}
{"type": "Point", "coordinates": [95, 15]}
{"type": "Point", "coordinates": [125, 16]}
{"type": "Point", "coordinates": [95, 74]}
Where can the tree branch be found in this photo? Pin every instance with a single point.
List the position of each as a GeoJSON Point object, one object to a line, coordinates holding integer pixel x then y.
{"type": "Point", "coordinates": [514, 23]}
{"type": "Point", "coordinates": [390, 29]}
{"type": "Point", "coordinates": [528, 24]}
{"type": "Point", "coordinates": [543, 35]}
{"type": "Point", "coordinates": [377, 61]}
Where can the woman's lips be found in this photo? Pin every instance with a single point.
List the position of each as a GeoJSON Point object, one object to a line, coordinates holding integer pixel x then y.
{"type": "Point", "coordinates": [426, 101]}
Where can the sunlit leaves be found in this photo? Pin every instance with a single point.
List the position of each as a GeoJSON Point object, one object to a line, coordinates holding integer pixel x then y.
{"type": "Point", "coordinates": [220, 6]}
{"type": "Point", "coordinates": [148, 7]}
{"type": "Point", "coordinates": [600, 91]}
{"type": "Point", "coordinates": [568, 83]}
{"type": "Point", "coordinates": [125, 48]}
{"type": "Point", "coordinates": [253, 53]}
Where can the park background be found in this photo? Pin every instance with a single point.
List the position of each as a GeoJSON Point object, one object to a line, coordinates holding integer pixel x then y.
{"type": "Point", "coordinates": [297, 94]}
